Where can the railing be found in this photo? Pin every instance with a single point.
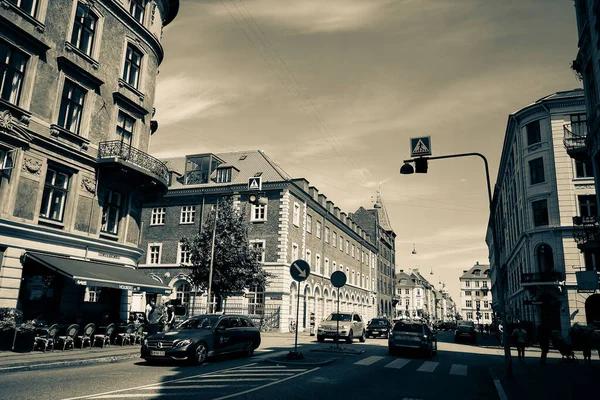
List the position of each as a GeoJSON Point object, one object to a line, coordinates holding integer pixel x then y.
{"type": "Point", "coordinates": [542, 277]}
{"type": "Point", "coordinates": [116, 148]}
{"type": "Point", "coordinates": [574, 136]}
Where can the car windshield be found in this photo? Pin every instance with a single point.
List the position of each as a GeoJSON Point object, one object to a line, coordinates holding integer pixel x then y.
{"type": "Point", "coordinates": [466, 325]}
{"type": "Point", "coordinates": [201, 322]}
{"type": "Point", "coordinates": [339, 317]}
{"type": "Point", "coordinates": [404, 327]}
{"type": "Point", "coordinates": [378, 322]}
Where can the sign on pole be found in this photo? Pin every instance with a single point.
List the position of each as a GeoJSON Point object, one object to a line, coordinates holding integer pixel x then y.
{"type": "Point", "coordinates": [338, 279]}
{"type": "Point", "coordinates": [420, 146]}
{"type": "Point", "coordinates": [255, 183]}
{"type": "Point", "coordinates": [300, 270]}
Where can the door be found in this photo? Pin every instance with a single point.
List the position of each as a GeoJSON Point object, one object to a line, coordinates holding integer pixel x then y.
{"type": "Point", "coordinates": [223, 336]}
{"type": "Point", "coordinates": [357, 325]}
{"type": "Point", "coordinates": [236, 333]}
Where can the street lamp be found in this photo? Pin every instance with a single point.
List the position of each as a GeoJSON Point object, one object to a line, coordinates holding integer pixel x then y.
{"type": "Point", "coordinates": [421, 163]}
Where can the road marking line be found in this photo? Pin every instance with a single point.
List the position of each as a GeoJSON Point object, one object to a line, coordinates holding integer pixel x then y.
{"type": "Point", "coordinates": [163, 387]}
{"type": "Point", "coordinates": [399, 363]}
{"type": "Point", "coordinates": [369, 360]}
{"type": "Point", "coordinates": [245, 375]}
{"type": "Point", "coordinates": [267, 385]}
{"type": "Point", "coordinates": [458, 369]}
{"type": "Point", "coordinates": [428, 366]}
{"type": "Point", "coordinates": [236, 379]}
{"type": "Point", "coordinates": [500, 390]}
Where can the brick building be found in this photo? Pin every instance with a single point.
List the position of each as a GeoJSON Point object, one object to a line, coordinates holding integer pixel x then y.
{"type": "Point", "coordinates": [297, 222]}
{"type": "Point", "coordinates": [76, 109]}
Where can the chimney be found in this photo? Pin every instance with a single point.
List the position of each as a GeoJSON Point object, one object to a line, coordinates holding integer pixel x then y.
{"type": "Point", "coordinates": [464, 271]}
{"type": "Point", "coordinates": [477, 263]}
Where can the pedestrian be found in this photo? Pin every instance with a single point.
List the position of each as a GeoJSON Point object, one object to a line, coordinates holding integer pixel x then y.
{"type": "Point", "coordinates": [544, 334]}
{"type": "Point", "coordinates": [586, 346]}
{"type": "Point", "coordinates": [520, 336]}
{"type": "Point", "coordinates": [169, 317]}
{"type": "Point", "coordinates": [151, 312]}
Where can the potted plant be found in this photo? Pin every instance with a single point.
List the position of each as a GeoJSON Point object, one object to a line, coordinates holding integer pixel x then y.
{"type": "Point", "coordinates": [25, 336]}
{"type": "Point", "coordinates": [9, 319]}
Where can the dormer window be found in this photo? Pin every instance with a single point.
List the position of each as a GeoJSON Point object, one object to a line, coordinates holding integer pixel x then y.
{"type": "Point", "coordinates": [224, 175]}
{"type": "Point", "coordinates": [477, 272]}
{"type": "Point", "coordinates": [198, 169]}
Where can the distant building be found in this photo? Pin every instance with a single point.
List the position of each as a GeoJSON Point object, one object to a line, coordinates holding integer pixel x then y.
{"type": "Point", "coordinates": [418, 298]}
{"type": "Point", "coordinates": [475, 295]}
{"type": "Point", "coordinates": [297, 222]}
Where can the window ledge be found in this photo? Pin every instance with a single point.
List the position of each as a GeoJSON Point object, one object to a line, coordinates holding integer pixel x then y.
{"type": "Point", "coordinates": [109, 236]}
{"type": "Point", "coordinates": [187, 223]}
{"type": "Point", "coordinates": [157, 224]}
{"type": "Point", "coordinates": [51, 223]}
{"type": "Point", "coordinates": [60, 132]}
{"type": "Point", "coordinates": [27, 17]}
{"type": "Point", "coordinates": [131, 88]}
{"type": "Point", "coordinates": [258, 220]}
{"type": "Point", "coordinates": [71, 48]}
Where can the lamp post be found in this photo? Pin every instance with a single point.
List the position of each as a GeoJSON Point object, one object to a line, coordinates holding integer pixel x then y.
{"type": "Point", "coordinates": [212, 257]}
{"type": "Point", "coordinates": [407, 169]}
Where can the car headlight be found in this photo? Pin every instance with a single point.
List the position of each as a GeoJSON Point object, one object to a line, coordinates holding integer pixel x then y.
{"type": "Point", "coordinates": [345, 326]}
{"type": "Point", "coordinates": [182, 342]}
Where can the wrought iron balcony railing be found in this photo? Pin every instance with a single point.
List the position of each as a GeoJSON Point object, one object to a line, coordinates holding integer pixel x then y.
{"type": "Point", "coordinates": [574, 136]}
{"type": "Point", "coordinates": [542, 277]}
{"type": "Point", "coordinates": [128, 153]}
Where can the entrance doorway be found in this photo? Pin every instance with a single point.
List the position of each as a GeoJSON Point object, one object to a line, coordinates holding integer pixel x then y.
{"type": "Point", "coordinates": [592, 309]}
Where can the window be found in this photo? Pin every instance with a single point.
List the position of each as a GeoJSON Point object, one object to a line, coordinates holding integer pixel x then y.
{"type": "Point", "coordinates": [407, 302]}
{"type": "Point", "coordinates": [486, 304]}
{"type": "Point", "coordinates": [467, 284]}
{"type": "Point", "coordinates": [486, 315]}
{"type": "Point", "coordinates": [158, 216]}
{"type": "Point", "coordinates": [7, 159]}
{"type": "Point", "coordinates": [224, 175]}
{"type": "Point", "coordinates": [27, 6]}
{"type": "Point", "coordinates": [583, 169]}
{"type": "Point", "coordinates": [467, 292]}
{"type": "Point", "coordinates": [258, 212]}
{"type": "Point", "coordinates": [326, 267]}
{"type": "Point", "coordinates": [12, 72]}
{"type": "Point", "coordinates": [477, 272]}
{"type": "Point", "coordinates": [469, 303]}
{"type": "Point", "coordinates": [352, 251]}
{"type": "Point", "coordinates": [184, 255]}
{"type": "Point", "coordinates": [84, 28]}
{"type": "Point", "coordinates": [533, 133]}
{"type": "Point", "coordinates": [294, 251]}
{"type": "Point", "coordinates": [587, 206]}
{"type": "Point", "coordinates": [296, 216]}
{"type": "Point", "coordinates": [579, 125]}
{"type": "Point", "coordinates": [318, 264]}
{"type": "Point", "coordinates": [478, 304]}
{"type": "Point", "coordinates": [407, 291]}
{"type": "Point", "coordinates": [477, 292]}
{"type": "Point", "coordinates": [469, 315]}
{"type": "Point", "coordinates": [540, 212]}
{"type": "Point", "coordinates": [154, 253]}
{"type": "Point", "coordinates": [326, 234]}
{"type": "Point", "coordinates": [125, 131]}
{"type": "Point", "coordinates": [136, 9]}
{"type": "Point", "coordinates": [133, 65]}
{"type": "Point", "coordinates": [199, 168]}
{"type": "Point", "coordinates": [334, 239]}
{"type": "Point", "coordinates": [308, 256]}
{"type": "Point", "coordinates": [256, 300]}
{"type": "Point", "coordinates": [476, 283]}
{"type": "Point", "coordinates": [111, 212]}
{"type": "Point", "coordinates": [318, 233]}
{"type": "Point", "coordinates": [92, 294]}
{"type": "Point", "coordinates": [260, 246]}
{"type": "Point", "coordinates": [56, 188]}
{"type": "Point", "coordinates": [334, 266]}
{"type": "Point", "coordinates": [71, 107]}
{"type": "Point", "coordinates": [188, 214]}
{"type": "Point", "coordinates": [347, 247]}
{"type": "Point", "coordinates": [182, 292]}
{"type": "Point", "coordinates": [341, 243]}
{"type": "Point", "coordinates": [536, 171]}
{"type": "Point", "coordinates": [308, 223]}
{"type": "Point", "coordinates": [484, 284]}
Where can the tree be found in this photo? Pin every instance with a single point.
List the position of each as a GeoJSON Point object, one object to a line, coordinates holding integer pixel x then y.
{"type": "Point", "coordinates": [235, 262]}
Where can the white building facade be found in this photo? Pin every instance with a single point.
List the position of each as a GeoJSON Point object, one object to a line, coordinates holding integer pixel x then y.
{"type": "Point", "coordinates": [475, 295]}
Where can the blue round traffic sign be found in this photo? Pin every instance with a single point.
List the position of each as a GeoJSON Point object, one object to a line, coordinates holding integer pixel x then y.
{"type": "Point", "coordinates": [299, 270]}
{"type": "Point", "coordinates": [338, 279]}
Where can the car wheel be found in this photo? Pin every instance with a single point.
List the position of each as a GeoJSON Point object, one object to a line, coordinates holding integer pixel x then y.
{"type": "Point", "coordinates": [249, 348]}
{"type": "Point", "coordinates": [200, 353]}
{"type": "Point", "coordinates": [320, 339]}
{"type": "Point", "coordinates": [350, 337]}
{"type": "Point", "coordinates": [435, 350]}
{"type": "Point", "coordinates": [363, 337]}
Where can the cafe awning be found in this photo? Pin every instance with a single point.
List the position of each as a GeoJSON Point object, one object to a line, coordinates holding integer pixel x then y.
{"type": "Point", "coordinates": [95, 273]}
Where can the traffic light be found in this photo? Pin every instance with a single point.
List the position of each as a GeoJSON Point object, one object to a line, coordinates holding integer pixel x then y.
{"type": "Point", "coordinates": [421, 165]}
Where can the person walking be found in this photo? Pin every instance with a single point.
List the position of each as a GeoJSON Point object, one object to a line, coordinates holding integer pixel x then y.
{"type": "Point", "coordinates": [544, 334]}
{"type": "Point", "coordinates": [520, 336]}
{"type": "Point", "coordinates": [169, 317]}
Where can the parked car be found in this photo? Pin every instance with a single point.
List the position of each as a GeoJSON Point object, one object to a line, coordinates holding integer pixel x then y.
{"type": "Point", "coordinates": [351, 326]}
{"type": "Point", "coordinates": [203, 336]}
{"type": "Point", "coordinates": [379, 327]}
{"type": "Point", "coordinates": [465, 330]}
{"type": "Point", "coordinates": [414, 335]}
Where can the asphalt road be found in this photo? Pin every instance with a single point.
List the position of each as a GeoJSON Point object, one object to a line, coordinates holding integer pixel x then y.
{"type": "Point", "coordinates": [459, 371]}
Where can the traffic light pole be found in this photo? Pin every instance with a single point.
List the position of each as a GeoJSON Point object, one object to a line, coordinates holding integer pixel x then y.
{"type": "Point", "coordinates": [496, 253]}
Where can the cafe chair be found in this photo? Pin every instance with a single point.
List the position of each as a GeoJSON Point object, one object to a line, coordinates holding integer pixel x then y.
{"type": "Point", "coordinates": [104, 338]}
{"type": "Point", "coordinates": [69, 338]}
{"type": "Point", "coordinates": [86, 336]}
{"type": "Point", "coordinates": [139, 335]}
{"type": "Point", "coordinates": [47, 339]}
{"type": "Point", "coordinates": [127, 335]}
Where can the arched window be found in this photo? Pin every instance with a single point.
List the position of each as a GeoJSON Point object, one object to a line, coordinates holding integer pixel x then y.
{"type": "Point", "coordinates": [182, 292]}
{"type": "Point", "coordinates": [545, 259]}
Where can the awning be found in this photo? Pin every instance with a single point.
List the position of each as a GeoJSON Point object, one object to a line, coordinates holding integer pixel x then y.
{"type": "Point", "coordinates": [94, 273]}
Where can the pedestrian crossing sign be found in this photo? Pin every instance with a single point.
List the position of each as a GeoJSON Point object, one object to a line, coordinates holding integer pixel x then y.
{"type": "Point", "coordinates": [420, 146]}
{"type": "Point", "coordinates": [255, 183]}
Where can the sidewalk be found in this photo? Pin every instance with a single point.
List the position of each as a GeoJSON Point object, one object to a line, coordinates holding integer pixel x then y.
{"type": "Point", "coordinates": [13, 362]}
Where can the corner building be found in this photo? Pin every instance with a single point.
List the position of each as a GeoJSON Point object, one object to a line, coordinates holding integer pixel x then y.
{"type": "Point", "coordinates": [76, 107]}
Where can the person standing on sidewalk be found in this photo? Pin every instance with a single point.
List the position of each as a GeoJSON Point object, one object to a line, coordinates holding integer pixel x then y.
{"type": "Point", "coordinates": [544, 340]}
{"type": "Point", "coordinates": [520, 336]}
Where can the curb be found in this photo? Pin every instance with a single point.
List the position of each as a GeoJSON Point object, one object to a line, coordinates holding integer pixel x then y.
{"type": "Point", "coordinates": [339, 351]}
{"type": "Point", "coordinates": [61, 364]}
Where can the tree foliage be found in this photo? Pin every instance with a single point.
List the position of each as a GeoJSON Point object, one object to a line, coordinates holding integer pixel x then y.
{"type": "Point", "coordinates": [235, 263]}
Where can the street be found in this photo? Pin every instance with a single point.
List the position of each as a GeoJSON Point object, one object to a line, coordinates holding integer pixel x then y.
{"type": "Point", "coordinates": [458, 371]}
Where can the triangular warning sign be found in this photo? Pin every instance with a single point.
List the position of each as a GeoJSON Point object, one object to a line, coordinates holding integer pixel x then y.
{"type": "Point", "coordinates": [253, 184]}
{"type": "Point", "coordinates": [420, 148]}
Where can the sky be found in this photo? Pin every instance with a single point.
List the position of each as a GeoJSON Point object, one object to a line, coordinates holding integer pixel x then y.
{"type": "Point", "coordinates": [333, 91]}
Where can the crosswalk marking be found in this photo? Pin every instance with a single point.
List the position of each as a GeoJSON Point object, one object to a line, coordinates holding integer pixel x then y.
{"type": "Point", "coordinates": [369, 360]}
{"type": "Point", "coordinates": [458, 369]}
{"type": "Point", "coordinates": [399, 363]}
{"type": "Point", "coordinates": [428, 366]}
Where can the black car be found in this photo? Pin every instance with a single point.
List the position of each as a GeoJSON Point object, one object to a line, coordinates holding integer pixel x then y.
{"type": "Point", "coordinates": [203, 336]}
{"type": "Point", "coordinates": [465, 330]}
{"type": "Point", "coordinates": [412, 335]}
{"type": "Point", "coordinates": [379, 327]}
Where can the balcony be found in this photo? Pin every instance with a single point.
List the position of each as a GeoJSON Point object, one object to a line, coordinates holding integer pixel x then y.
{"type": "Point", "coordinates": [574, 138]}
{"type": "Point", "coordinates": [541, 278]}
{"type": "Point", "coordinates": [586, 233]}
{"type": "Point", "coordinates": [127, 162]}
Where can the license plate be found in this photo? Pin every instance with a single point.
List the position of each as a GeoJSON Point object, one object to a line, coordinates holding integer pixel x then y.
{"type": "Point", "coordinates": [157, 353]}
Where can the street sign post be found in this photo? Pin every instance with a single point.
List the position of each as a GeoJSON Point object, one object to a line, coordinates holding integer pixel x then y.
{"type": "Point", "coordinates": [420, 146]}
{"type": "Point", "coordinates": [338, 279]}
{"type": "Point", "coordinates": [300, 271]}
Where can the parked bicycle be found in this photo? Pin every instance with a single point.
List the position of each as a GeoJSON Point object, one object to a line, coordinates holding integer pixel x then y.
{"type": "Point", "coordinates": [292, 325]}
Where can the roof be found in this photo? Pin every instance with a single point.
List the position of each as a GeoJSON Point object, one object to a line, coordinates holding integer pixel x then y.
{"type": "Point", "coordinates": [471, 273]}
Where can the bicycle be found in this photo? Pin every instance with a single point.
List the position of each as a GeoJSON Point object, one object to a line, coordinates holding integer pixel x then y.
{"type": "Point", "coordinates": [265, 326]}
{"type": "Point", "coordinates": [292, 325]}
